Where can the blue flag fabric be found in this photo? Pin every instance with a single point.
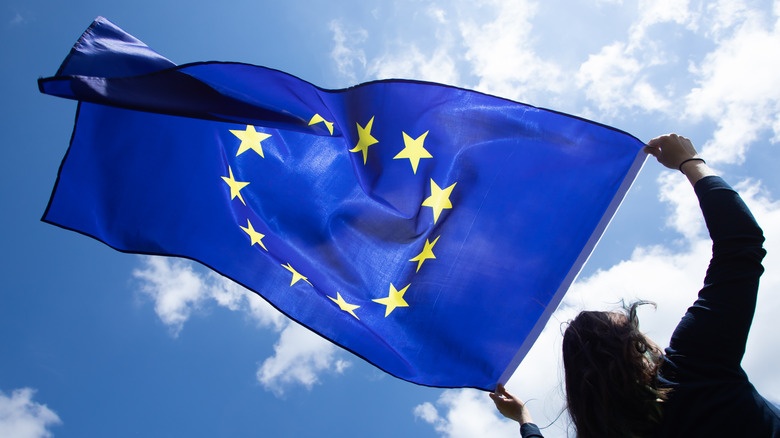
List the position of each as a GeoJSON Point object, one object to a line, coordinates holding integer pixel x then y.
{"type": "Point", "coordinates": [429, 229]}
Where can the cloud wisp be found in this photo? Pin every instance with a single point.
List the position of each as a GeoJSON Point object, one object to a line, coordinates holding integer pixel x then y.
{"type": "Point", "coordinates": [466, 413]}
{"type": "Point", "coordinates": [21, 417]}
{"type": "Point", "coordinates": [349, 58]}
{"type": "Point", "coordinates": [300, 356]}
{"type": "Point", "coordinates": [178, 291]}
{"type": "Point", "coordinates": [736, 84]}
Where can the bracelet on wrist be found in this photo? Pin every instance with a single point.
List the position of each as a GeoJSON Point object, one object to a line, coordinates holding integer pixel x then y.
{"type": "Point", "coordinates": [690, 159]}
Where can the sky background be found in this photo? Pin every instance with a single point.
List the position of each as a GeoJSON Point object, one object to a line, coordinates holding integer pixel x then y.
{"type": "Point", "coordinates": [97, 343]}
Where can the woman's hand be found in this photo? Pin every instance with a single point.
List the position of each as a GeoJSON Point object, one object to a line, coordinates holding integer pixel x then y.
{"type": "Point", "coordinates": [677, 152]}
{"type": "Point", "coordinates": [509, 406]}
{"type": "Point", "coordinates": [671, 150]}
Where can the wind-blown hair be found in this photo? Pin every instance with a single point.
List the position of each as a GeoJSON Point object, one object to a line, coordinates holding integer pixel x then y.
{"type": "Point", "coordinates": [611, 373]}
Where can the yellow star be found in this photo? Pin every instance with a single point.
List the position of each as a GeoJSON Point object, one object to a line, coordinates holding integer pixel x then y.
{"type": "Point", "coordinates": [250, 139]}
{"type": "Point", "coordinates": [364, 139]}
{"type": "Point", "coordinates": [439, 199]}
{"type": "Point", "coordinates": [343, 305]}
{"type": "Point", "coordinates": [235, 186]}
{"type": "Point", "coordinates": [254, 235]}
{"type": "Point", "coordinates": [427, 253]}
{"type": "Point", "coordinates": [318, 119]}
{"type": "Point", "coordinates": [296, 276]}
{"type": "Point", "coordinates": [413, 150]}
{"type": "Point", "coordinates": [394, 299]}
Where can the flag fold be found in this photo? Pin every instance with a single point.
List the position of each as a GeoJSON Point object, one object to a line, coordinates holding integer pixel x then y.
{"type": "Point", "coordinates": [428, 229]}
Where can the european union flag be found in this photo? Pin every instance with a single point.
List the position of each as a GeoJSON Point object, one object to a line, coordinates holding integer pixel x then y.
{"type": "Point", "coordinates": [429, 229]}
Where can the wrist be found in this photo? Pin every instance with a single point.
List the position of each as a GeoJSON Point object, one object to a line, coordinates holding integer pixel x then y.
{"type": "Point", "coordinates": [689, 161]}
{"type": "Point", "coordinates": [695, 169]}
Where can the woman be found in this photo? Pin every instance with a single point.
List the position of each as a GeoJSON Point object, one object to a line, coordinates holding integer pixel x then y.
{"type": "Point", "coordinates": [618, 382]}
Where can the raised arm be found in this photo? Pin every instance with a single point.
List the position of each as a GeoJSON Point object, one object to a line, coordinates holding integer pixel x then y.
{"type": "Point", "coordinates": [714, 330]}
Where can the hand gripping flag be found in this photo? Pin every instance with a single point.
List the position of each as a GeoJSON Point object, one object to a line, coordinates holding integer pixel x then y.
{"type": "Point", "coordinates": [428, 229]}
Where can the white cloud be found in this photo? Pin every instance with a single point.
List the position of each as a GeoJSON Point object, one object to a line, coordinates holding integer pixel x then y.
{"type": "Point", "coordinates": [501, 52]}
{"type": "Point", "coordinates": [18, 19]}
{"type": "Point", "coordinates": [299, 357]}
{"type": "Point", "coordinates": [469, 413]}
{"type": "Point", "coordinates": [263, 313]}
{"type": "Point", "coordinates": [685, 216]}
{"type": "Point", "coordinates": [438, 14]}
{"type": "Point", "coordinates": [225, 292]}
{"type": "Point", "coordinates": [734, 84]}
{"type": "Point", "coordinates": [737, 85]}
{"type": "Point", "coordinates": [615, 80]}
{"type": "Point", "coordinates": [621, 75]}
{"type": "Point", "coordinates": [412, 63]}
{"type": "Point", "coordinates": [20, 417]}
{"type": "Point", "coordinates": [668, 275]}
{"type": "Point", "coordinates": [426, 412]}
{"type": "Point", "coordinates": [177, 290]}
{"type": "Point", "coordinates": [405, 59]}
{"type": "Point", "coordinates": [350, 59]}
{"type": "Point", "coordinates": [492, 40]}
{"type": "Point", "coordinates": [653, 12]}
{"type": "Point", "coordinates": [721, 15]}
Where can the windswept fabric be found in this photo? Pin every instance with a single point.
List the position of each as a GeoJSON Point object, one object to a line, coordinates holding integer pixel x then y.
{"type": "Point", "coordinates": [428, 229]}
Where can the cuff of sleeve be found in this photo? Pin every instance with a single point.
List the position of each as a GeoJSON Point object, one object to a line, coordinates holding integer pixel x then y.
{"type": "Point", "coordinates": [710, 183]}
{"type": "Point", "coordinates": [530, 430]}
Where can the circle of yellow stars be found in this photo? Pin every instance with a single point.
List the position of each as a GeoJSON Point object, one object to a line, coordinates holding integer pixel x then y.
{"type": "Point", "coordinates": [414, 150]}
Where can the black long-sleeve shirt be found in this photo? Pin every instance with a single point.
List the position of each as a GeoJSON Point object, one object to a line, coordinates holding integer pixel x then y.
{"type": "Point", "coordinates": [711, 394]}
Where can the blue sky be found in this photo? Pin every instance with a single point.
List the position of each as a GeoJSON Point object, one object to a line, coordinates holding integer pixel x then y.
{"type": "Point", "coordinates": [98, 343]}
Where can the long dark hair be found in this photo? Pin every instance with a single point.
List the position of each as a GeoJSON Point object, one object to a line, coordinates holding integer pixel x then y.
{"type": "Point", "coordinates": [611, 373]}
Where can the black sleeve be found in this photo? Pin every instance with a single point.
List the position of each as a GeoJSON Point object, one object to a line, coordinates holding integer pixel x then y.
{"type": "Point", "coordinates": [530, 430]}
{"type": "Point", "coordinates": [714, 330]}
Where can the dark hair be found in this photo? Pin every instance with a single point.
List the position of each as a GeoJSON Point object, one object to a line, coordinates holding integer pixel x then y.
{"type": "Point", "coordinates": [611, 373]}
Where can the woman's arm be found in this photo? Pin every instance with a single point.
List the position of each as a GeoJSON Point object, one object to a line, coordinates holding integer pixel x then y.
{"type": "Point", "coordinates": [715, 328]}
